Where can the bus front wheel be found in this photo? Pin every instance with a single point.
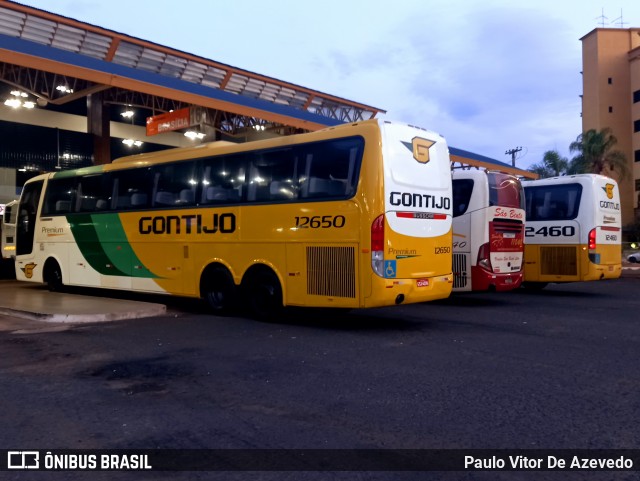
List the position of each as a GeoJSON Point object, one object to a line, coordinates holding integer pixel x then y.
{"type": "Point", "coordinates": [52, 276]}
{"type": "Point", "coordinates": [263, 293]}
{"type": "Point", "coordinates": [218, 289]}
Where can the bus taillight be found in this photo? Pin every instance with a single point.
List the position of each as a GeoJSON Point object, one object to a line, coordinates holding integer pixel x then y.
{"type": "Point", "coordinates": [483, 257]}
{"type": "Point", "coordinates": [377, 245]}
{"type": "Point", "coordinates": [592, 239]}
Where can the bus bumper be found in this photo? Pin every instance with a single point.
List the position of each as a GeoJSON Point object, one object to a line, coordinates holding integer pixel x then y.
{"type": "Point", "coordinates": [485, 281]}
{"type": "Point", "coordinates": [408, 291]}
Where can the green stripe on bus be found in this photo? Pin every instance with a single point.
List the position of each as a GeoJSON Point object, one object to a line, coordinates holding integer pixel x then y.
{"type": "Point", "coordinates": [104, 245]}
{"type": "Point", "coordinates": [116, 245]}
{"type": "Point", "coordinates": [94, 169]}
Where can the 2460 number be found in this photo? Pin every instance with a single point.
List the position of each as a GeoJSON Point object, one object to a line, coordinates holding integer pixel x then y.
{"type": "Point", "coordinates": [552, 231]}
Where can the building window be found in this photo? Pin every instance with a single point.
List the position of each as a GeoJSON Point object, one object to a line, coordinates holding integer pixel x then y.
{"type": "Point", "coordinates": [637, 155]}
{"type": "Point", "coordinates": [637, 184]}
{"type": "Point", "coordinates": [610, 81]}
{"type": "Point", "coordinates": [636, 96]}
{"type": "Point", "coordinates": [610, 109]}
{"type": "Point", "coordinates": [636, 126]}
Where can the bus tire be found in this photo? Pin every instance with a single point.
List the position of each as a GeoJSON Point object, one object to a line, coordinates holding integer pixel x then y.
{"type": "Point", "coordinates": [218, 289]}
{"type": "Point", "coordinates": [262, 290]}
{"type": "Point", "coordinates": [52, 276]}
{"type": "Point", "coordinates": [534, 286]}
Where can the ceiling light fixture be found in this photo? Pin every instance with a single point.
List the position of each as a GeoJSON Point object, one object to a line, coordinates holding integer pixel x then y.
{"type": "Point", "coordinates": [192, 134]}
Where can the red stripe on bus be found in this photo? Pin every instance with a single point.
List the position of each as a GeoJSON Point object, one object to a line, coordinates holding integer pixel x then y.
{"type": "Point", "coordinates": [614, 229]}
{"type": "Point", "coordinates": [419, 215]}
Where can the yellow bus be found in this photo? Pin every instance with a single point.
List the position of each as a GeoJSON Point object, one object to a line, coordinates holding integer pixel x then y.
{"type": "Point", "coordinates": [353, 216]}
{"type": "Point", "coordinates": [573, 230]}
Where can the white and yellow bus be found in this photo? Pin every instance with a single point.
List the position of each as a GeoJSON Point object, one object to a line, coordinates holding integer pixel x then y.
{"type": "Point", "coordinates": [352, 216]}
{"type": "Point", "coordinates": [8, 230]}
{"type": "Point", "coordinates": [488, 231]}
{"type": "Point", "coordinates": [573, 230]}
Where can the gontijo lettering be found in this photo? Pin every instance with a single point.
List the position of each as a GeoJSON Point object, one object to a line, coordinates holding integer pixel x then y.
{"type": "Point", "coordinates": [408, 199]}
{"type": "Point", "coordinates": [190, 223]}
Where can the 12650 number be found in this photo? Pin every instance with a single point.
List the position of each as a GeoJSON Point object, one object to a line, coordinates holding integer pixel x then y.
{"type": "Point", "coordinates": [320, 222]}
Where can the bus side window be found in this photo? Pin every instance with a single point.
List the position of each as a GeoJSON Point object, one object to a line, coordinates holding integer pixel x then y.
{"type": "Point", "coordinates": [60, 197]}
{"type": "Point", "coordinates": [131, 189]}
{"type": "Point", "coordinates": [330, 169]}
{"type": "Point", "coordinates": [175, 184]}
{"type": "Point", "coordinates": [93, 193]}
{"type": "Point", "coordinates": [222, 179]}
{"type": "Point", "coordinates": [462, 190]}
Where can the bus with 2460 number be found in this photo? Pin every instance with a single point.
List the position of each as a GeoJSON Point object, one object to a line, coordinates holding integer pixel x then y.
{"type": "Point", "coordinates": [488, 230]}
{"type": "Point", "coordinates": [573, 230]}
{"type": "Point", "coordinates": [353, 216]}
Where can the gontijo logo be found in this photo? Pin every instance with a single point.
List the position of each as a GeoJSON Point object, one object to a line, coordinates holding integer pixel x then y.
{"type": "Point", "coordinates": [28, 270]}
{"type": "Point", "coordinates": [608, 189]}
{"type": "Point", "coordinates": [420, 148]}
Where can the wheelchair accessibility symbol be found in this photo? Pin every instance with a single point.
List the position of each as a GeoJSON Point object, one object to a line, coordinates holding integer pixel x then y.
{"type": "Point", "coordinates": [389, 268]}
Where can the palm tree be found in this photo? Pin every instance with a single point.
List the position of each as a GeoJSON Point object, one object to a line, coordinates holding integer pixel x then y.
{"type": "Point", "coordinates": [553, 164]}
{"type": "Point", "coordinates": [596, 154]}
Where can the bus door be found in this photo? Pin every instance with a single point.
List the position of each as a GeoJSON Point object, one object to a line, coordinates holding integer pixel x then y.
{"type": "Point", "coordinates": [27, 213]}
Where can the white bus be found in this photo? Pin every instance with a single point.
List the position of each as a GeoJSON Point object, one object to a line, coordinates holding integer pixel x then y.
{"type": "Point", "coordinates": [488, 231]}
{"type": "Point", "coordinates": [357, 215]}
{"type": "Point", "coordinates": [573, 230]}
{"type": "Point", "coordinates": [8, 236]}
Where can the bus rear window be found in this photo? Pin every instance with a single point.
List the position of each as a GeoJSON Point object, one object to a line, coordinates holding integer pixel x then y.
{"type": "Point", "coordinates": [553, 202]}
{"type": "Point", "coordinates": [505, 190]}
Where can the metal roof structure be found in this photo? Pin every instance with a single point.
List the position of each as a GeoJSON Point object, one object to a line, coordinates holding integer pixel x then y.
{"type": "Point", "coordinates": [40, 50]}
{"type": "Point", "coordinates": [466, 159]}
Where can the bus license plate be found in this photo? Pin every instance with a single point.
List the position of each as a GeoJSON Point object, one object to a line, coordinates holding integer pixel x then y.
{"type": "Point", "coordinates": [509, 235]}
{"type": "Point", "coordinates": [508, 280]}
{"type": "Point", "coordinates": [422, 282]}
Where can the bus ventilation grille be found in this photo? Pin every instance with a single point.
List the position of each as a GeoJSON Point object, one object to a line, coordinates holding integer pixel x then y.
{"type": "Point", "coordinates": [331, 271]}
{"type": "Point", "coordinates": [558, 261]}
{"type": "Point", "coordinates": [459, 270]}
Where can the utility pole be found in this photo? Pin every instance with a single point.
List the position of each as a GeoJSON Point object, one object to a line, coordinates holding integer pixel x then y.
{"type": "Point", "coordinates": [513, 153]}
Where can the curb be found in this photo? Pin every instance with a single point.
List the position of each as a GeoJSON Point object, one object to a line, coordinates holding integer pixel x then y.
{"type": "Point", "coordinates": [147, 311]}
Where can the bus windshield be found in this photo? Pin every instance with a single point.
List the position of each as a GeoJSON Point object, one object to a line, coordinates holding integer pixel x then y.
{"type": "Point", "coordinates": [505, 190]}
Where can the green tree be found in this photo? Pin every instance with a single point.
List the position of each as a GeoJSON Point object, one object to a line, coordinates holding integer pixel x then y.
{"type": "Point", "coordinates": [553, 164]}
{"type": "Point", "coordinates": [597, 154]}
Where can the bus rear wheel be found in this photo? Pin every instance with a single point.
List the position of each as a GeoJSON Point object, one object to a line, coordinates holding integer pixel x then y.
{"type": "Point", "coordinates": [218, 290]}
{"type": "Point", "coordinates": [263, 293]}
{"type": "Point", "coordinates": [52, 276]}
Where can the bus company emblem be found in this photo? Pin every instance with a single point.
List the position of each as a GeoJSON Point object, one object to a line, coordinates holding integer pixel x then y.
{"type": "Point", "coordinates": [28, 270]}
{"type": "Point", "coordinates": [608, 188]}
{"type": "Point", "coordinates": [420, 148]}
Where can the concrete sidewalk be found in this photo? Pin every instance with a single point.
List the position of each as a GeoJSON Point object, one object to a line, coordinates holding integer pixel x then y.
{"type": "Point", "coordinates": [35, 302]}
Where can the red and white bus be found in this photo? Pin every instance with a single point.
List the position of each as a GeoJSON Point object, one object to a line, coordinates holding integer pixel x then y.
{"type": "Point", "coordinates": [488, 231]}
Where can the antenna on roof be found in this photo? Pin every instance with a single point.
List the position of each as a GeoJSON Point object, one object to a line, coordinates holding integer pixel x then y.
{"type": "Point", "coordinates": [602, 18]}
{"type": "Point", "coordinates": [620, 23]}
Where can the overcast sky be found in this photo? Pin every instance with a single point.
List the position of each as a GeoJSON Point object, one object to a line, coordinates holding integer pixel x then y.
{"type": "Point", "coordinates": [489, 75]}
